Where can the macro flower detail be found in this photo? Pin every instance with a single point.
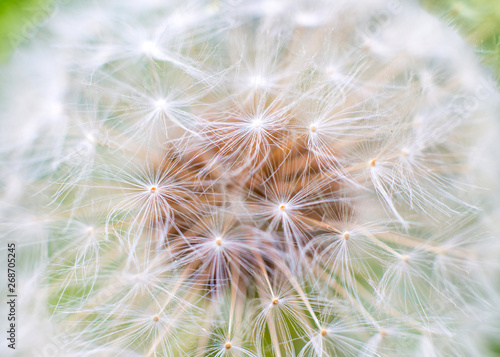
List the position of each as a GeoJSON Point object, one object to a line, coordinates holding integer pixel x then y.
{"type": "Point", "coordinates": [252, 178]}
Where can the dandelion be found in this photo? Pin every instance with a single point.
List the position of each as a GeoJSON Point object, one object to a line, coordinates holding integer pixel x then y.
{"type": "Point", "coordinates": [264, 178]}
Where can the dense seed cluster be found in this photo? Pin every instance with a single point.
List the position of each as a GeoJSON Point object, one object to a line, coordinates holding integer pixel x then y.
{"type": "Point", "coordinates": [268, 178]}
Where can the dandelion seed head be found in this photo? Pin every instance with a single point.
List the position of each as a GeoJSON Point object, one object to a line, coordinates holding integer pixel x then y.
{"type": "Point", "coordinates": [254, 178]}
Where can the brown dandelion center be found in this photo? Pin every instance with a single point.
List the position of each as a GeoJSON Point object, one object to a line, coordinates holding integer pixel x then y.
{"type": "Point", "coordinates": [244, 194]}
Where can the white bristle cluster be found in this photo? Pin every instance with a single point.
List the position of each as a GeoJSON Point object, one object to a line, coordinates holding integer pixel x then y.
{"type": "Point", "coordinates": [251, 178]}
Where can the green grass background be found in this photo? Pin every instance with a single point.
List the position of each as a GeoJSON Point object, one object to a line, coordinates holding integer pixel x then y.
{"type": "Point", "coordinates": [477, 20]}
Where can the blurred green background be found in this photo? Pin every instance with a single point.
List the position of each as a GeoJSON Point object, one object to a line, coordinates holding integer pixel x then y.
{"type": "Point", "coordinates": [19, 20]}
{"type": "Point", "coordinates": [477, 20]}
